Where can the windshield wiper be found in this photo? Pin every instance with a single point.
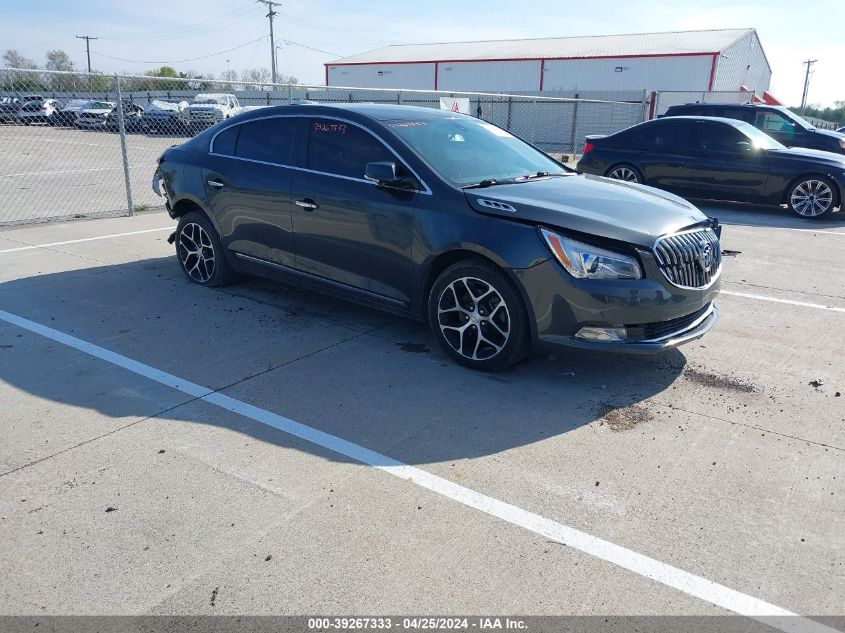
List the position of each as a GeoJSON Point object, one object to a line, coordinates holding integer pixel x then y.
{"type": "Point", "coordinates": [489, 182]}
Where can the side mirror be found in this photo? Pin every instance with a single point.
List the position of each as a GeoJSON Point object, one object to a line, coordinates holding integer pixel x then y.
{"type": "Point", "coordinates": [744, 146]}
{"type": "Point", "coordinates": [383, 173]}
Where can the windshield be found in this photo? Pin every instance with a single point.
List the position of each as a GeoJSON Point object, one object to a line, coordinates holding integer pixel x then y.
{"type": "Point", "coordinates": [468, 151]}
{"type": "Point", "coordinates": [163, 105]}
{"type": "Point", "coordinates": [796, 119]}
{"type": "Point", "coordinates": [759, 139]}
{"type": "Point", "coordinates": [76, 103]}
{"type": "Point", "coordinates": [199, 100]}
{"type": "Point", "coordinates": [100, 105]}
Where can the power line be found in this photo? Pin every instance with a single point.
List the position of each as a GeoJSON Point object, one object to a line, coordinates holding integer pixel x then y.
{"type": "Point", "coordinates": [329, 28]}
{"type": "Point", "coordinates": [271, 14]}
{"type": "Point", "coordinates": [182, 61]}
{"type": "Point", "coordinates": [311, 48]}
{"type": "Point", "coordinates": [87, 39]}
{"type": "Point", "coordinates": [211, 24]}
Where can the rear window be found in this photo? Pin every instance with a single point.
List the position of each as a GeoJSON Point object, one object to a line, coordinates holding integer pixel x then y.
{"type": "Point", "coordinates": [267, 140]}
{"type": "Point", "coordinates": [225, 142]}
{"type": "Point", "coordinates": [660, 135]}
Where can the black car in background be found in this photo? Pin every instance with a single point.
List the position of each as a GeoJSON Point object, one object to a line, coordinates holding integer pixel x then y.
{"type": "Point", "coordinates": [719, 159]}
{"type": "Point", "coordinates": [780, 123]}
{"type": "Point", "coordinates": [446, 218]}
{"type": "Point", "coordinates": [132, 118]}
{"type": "Point", "coordinates": [9, 107]}
{"type": "Point", "coordinates": [66, 117]}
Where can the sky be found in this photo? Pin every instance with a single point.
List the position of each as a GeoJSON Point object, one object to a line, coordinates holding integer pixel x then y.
{"type": "Point", "coordinates": [310, 33]}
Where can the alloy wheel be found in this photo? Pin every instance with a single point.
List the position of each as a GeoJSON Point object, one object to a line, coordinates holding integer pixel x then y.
{"type": "Point", "coordinates": [811, 198]}
{"type": "Point", "coordinates": [196, 253]}
{"type": "Point", "coordinates": [623, 173]}
{"type": "Point", "coordinates": [473, 318]}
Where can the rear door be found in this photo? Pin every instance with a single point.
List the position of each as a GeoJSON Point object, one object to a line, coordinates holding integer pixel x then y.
{"type": "Point", "coordinates": [726, 166]}
{"type": "Point", "coordinates": [248, 186]}
{"type": "Point", "coordinates": [349, 230]}
{"type": "Point", "coordinates": [664, 154]}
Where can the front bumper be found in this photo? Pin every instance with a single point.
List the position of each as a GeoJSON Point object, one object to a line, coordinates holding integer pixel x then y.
{"type": "Point", "coordinates": [650, 314]}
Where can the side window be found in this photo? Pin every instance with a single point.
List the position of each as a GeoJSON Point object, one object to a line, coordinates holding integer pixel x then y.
{"type": "Point", "coordinates": [668, 134]}
{"type": "Point", "coordinates": [718, 137]}
{"type": "Point", "coordinates": [267, 140]}
{"type": "Point", "coordinates": [743, 114]}
{"type": "Point", "coordinates": [224, 143]}
{"type": "Point", "coordinates": [769, 121]}
{"type": "Point", "coordinates": [335, 147]}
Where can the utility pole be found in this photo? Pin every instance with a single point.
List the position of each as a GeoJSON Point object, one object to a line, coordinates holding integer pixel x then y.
{"type": "Point", "coordinates": [87, 39]}
{"type": "Point", "coordinates": [271, 14]}
{"type": "Point", "coordinates": [809, 63]}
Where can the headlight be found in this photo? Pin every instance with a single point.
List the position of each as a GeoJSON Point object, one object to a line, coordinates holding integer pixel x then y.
{"type": "Point", "coordinates": [842, 143]}
{"type": "Point", "coordinates": [590, 262]}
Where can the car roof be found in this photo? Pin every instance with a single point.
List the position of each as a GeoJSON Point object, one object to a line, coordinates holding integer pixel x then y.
{"type": "Point", "coordinates": [692, 117]}
{"type": "Point", "coordinates": [728, 105]}
{"type": "Point", "coordinates": [377, 111]}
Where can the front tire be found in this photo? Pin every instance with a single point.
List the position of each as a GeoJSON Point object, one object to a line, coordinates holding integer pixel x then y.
{"type": "Point", "coordinates": [626, 173]}
{"type": "Point", "coordinates": [200, 253]}
{"type": "Point", "coordinates": [477, 316]}
{"type": "Point", "coordinates": [812, 197]}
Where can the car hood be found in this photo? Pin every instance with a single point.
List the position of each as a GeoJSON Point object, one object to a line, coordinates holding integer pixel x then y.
{"type": "Point", "coordinates": [205, 106]}
{"type": "Point", "coordinates": [94, 112]}
{"type": "Point", "coordinates": [606, 208]}
{"type": "Point", "coordinates": [837, 135]}
{"type": "Point", "coordinates": [812, 155]}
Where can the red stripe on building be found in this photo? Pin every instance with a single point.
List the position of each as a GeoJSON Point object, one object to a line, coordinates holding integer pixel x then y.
{"type": "Point", "coordinates": [713, 71]}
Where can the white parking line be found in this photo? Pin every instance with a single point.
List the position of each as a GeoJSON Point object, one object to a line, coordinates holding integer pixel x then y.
{"type": "Point", "coordinates": [71, 171]}
{"type": "Point", "coordinates": [803, 304]}
{"type": "Point", "coordinates": [115, 145]}
{"type": "Point", "coordinates": [783, 228]}
{"type": "Point", "coordinates": [84, 239]}
{"type": "Point", "coordinates": [668, 575]}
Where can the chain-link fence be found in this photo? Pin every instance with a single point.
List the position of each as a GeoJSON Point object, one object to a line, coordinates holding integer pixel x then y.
{"type": "Point", "coordinates": [86, 145]}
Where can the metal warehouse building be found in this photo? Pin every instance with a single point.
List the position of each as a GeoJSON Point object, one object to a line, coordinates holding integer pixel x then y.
{"type": "Point", "coordinates": [685, 60]}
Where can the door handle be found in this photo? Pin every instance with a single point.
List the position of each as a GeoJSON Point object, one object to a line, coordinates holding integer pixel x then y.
{"type": "Point", "coordinates": [216, 184]}
{"type": "Point", "coordinates": [307, 203]}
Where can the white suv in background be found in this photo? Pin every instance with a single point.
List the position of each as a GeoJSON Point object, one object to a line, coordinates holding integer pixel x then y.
{"type": "Point", "coordinates": [38, 110]}
{"type": "Point", "coordinates": [207, 109]}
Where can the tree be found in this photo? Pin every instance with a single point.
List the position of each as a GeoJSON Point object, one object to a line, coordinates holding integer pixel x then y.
{"type": "Point", "coordinates": [19, 81]}
{"type": "Point", "coordinates": [14, 59]}
{"type": "Point", "coordinates": [58, 60]}
{"type": "Point", "coordinates": [835, 115]}
{"type": "Point", "coordinates": [253, 78]}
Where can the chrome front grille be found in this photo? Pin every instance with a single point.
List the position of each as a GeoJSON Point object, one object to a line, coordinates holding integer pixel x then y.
{"type": "Point", "coordinates": [689, 259]}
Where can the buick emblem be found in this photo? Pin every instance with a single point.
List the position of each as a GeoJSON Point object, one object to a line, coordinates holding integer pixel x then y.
{"type": "Point", "coordinates": [706, 257]}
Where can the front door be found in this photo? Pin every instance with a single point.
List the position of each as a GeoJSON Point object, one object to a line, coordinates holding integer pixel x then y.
{"type": "Point", "coordinates": [347, 229]}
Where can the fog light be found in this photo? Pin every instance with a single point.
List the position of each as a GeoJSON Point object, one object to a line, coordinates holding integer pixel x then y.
{"type": "Point", "coordinates": [603, 334]}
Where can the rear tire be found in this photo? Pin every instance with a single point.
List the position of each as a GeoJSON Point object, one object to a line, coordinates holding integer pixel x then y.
{"type": "Point", "coordinates": [625, 173]}
{"type": "Point", "coordinates": [200, 253]}
{"type": "Point", "coordinates": [812, 197]}
{"type": "Point", "coordinates": [477, 316]}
